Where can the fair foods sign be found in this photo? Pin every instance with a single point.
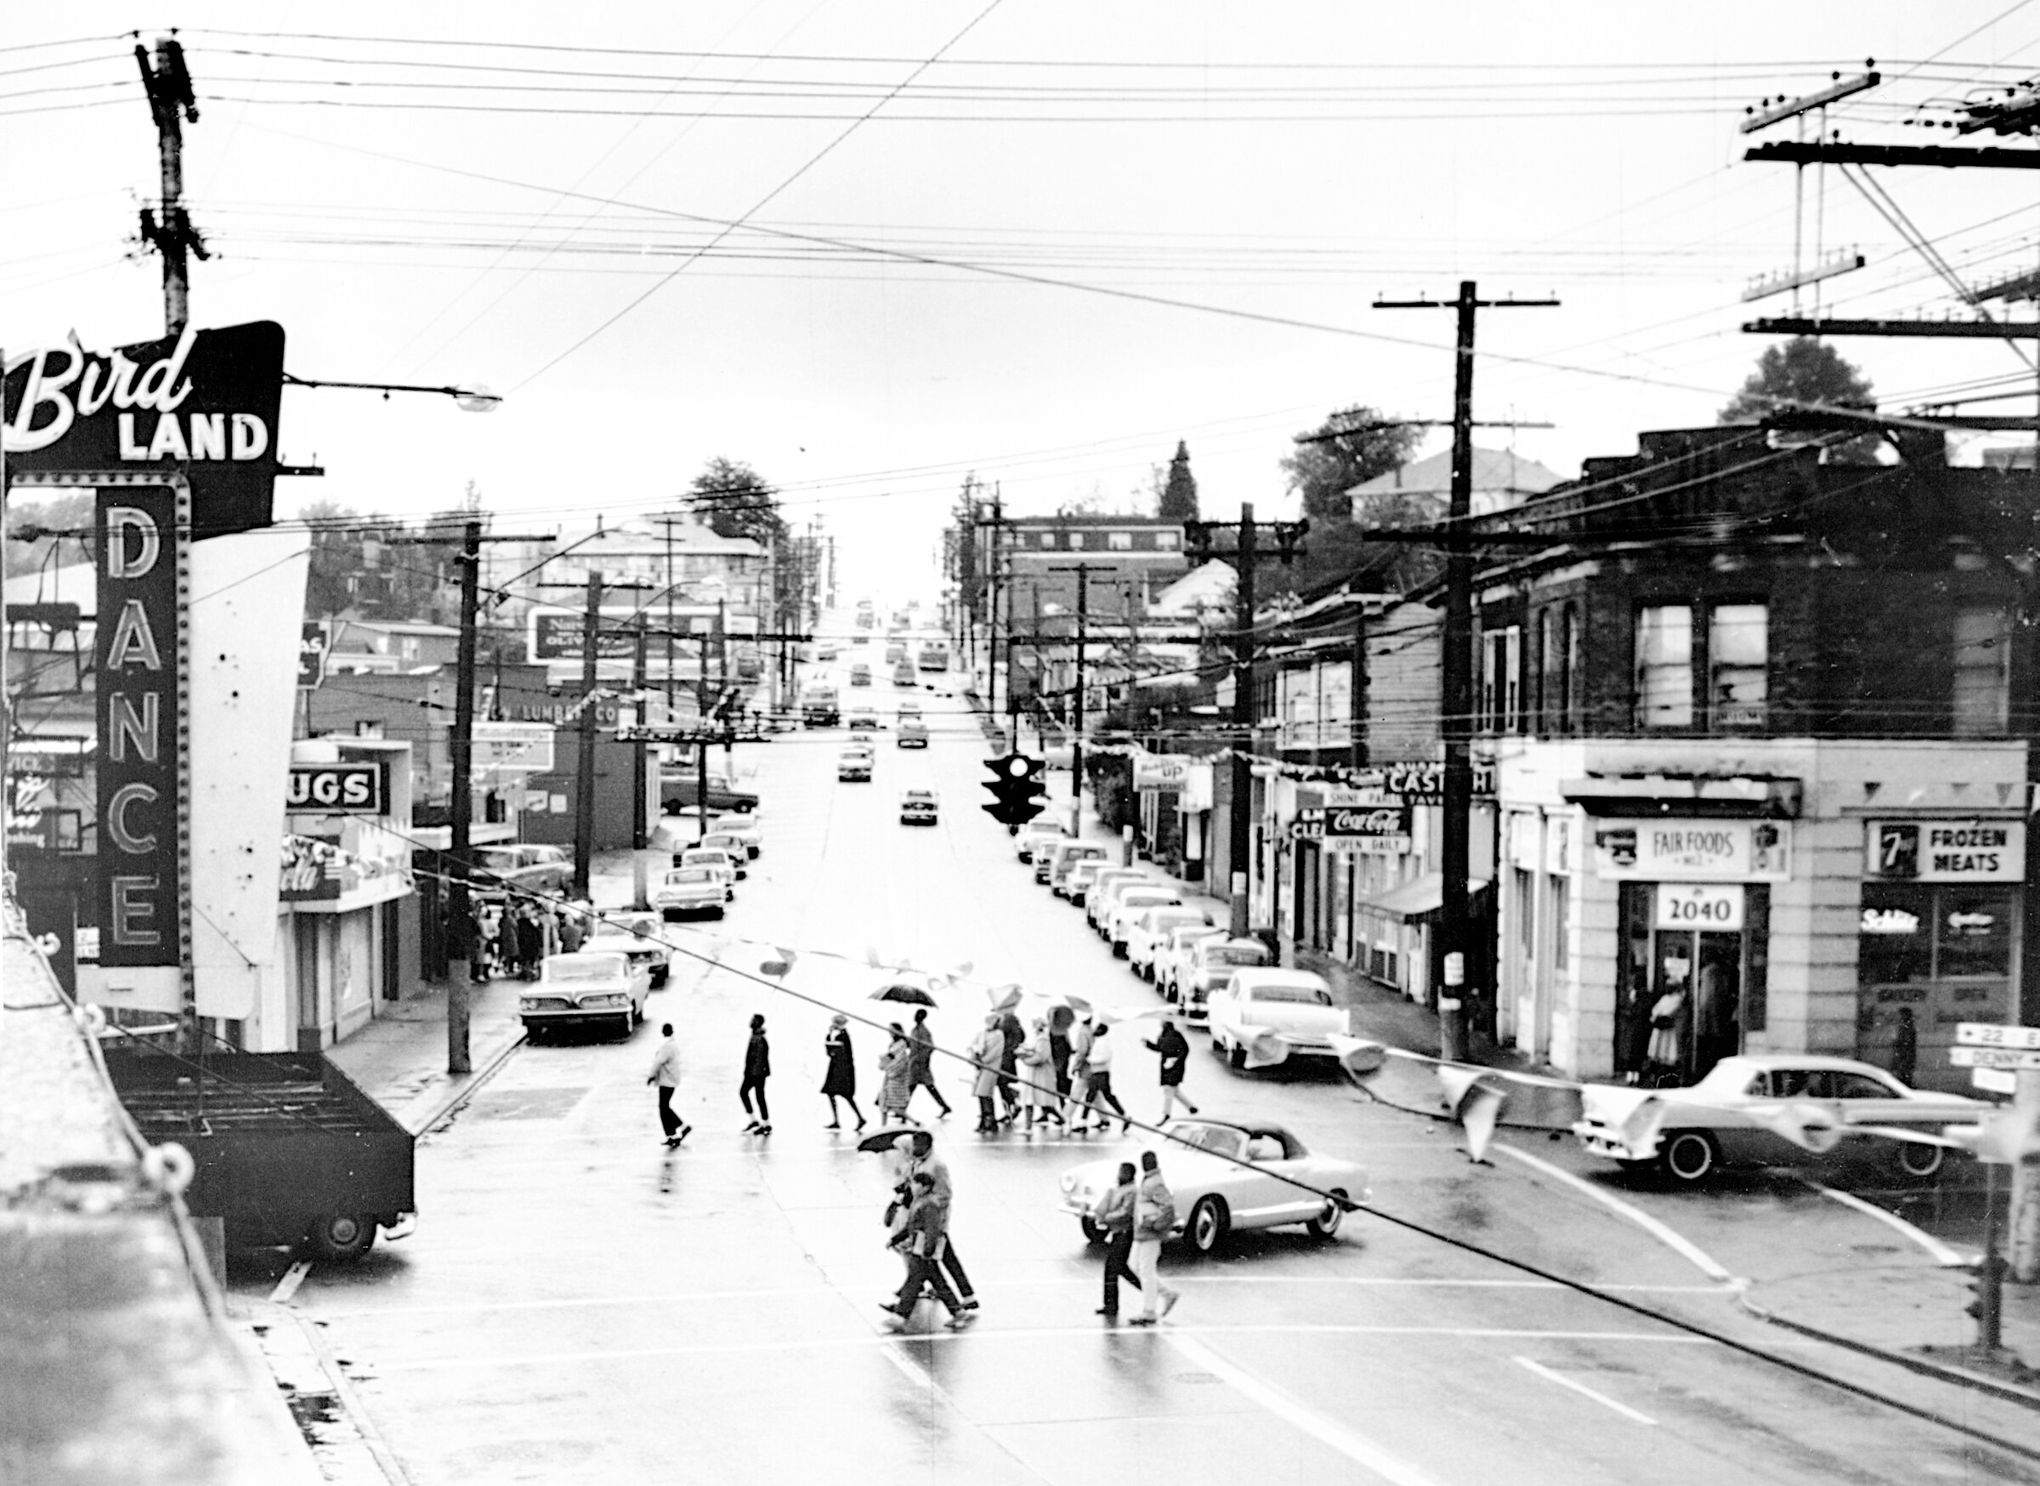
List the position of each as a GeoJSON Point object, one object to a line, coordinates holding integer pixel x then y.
{"type": "Point", "coordinates": [1689, 850]}
{"type": "Point", "coordinates": [205, 404]}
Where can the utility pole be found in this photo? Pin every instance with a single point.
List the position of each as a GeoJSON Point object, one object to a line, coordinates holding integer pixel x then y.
{"type": "Point", "coordinates": [1077, 712]}
{"type": "Point", "coordinates": [992, 633]}
{"type": "Point", "coordinates": [463, 754]}
{"type": "Point", "coordinates": [169, 231]}
{"type": "Point", "coordinates": [637, 763]}
{"type": "Point", "coordinates": [1241, 822]}
{"type": "Point", "coordinates": [1453, 938]}
{"type": "Point", "coordinates": [584, 791]}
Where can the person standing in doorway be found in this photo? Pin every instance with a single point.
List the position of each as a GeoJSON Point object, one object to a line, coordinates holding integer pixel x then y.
{"type": "Point", "coordinates": [922, 1069]}
{"type": "Point", "coordinates": [1666, 1015]}
{"type": "Point", "coordinates": [1114, 1214]}
{"type": "Point", "coordinates": [1154, 1219]}
{"type": "Point", "coordinates": [1905, 1048]}
{"type": "Point", "coordinates": [922, 1161]}
{"type": "Point", "coordinates": [666, 1075]}
{"type": "Point", "coordinates": [840, 1082]}
{"type": "Point", "coordinates": [757, 1068]}
{"type": "Point", "coordinates": [1173, 1048]}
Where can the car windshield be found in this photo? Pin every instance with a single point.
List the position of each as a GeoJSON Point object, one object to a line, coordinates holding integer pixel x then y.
{"type": "Point", "coordinates": [706, 858]}
{"type": "Point", "coordinates": [1298, 995]}
{"type": "Point", "coordinates": [1217, 1139]}
{"type": "Point", "coordinates": [690, 874]}
{"type": "Point", "coordinates": [1236, 954]}
{"type": "Point", "coordinates": [570, 969]}
{"type": "Point", "coordinates": [1145, 897]}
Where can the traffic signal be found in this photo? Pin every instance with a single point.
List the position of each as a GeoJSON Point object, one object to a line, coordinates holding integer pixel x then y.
{"type": "Point", "coordinates": [1018, 794]}
{"type": "Point", "coordinates": [1197, 541]}
{"type": "Point", "coordinates": [1289, 537]}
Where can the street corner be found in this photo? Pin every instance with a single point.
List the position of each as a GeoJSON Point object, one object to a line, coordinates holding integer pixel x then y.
{"type": "Point", "coordinates": [320, 1433]}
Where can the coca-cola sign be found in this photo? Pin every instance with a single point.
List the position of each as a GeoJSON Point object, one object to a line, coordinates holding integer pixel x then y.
{"type": "Point", "coordinates": [1380, 820]}
{"type": "Point", "coordinates": [205, 402]}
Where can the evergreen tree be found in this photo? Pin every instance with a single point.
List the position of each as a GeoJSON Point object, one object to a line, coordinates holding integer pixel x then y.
{"type": "Point", "coordinates": [1179, 495]}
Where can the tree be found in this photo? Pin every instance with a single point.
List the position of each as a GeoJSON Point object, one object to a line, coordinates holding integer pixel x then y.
{"type": "Point", "coordinates": [1179, 495]}
{"type": "Point", "coordinates": [66, 514]}
{"type": "Point", "coordinates": [1351, 446]}
{"type": "Point", "coordinates": [1802, 370]}
{"type": "Point", "coordinates": [733, 500]}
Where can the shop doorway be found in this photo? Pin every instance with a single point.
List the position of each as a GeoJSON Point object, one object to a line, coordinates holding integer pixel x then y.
{"type": "Point", "coordinates": [1710, 982]}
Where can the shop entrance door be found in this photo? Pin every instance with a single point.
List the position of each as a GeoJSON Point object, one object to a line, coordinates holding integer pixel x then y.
{"type": "Point", "coordinates": [1716, 976]}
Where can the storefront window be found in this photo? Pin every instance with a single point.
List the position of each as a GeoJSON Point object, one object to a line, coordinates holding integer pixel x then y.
{"type": "Point", "coordinates": [1895, 942]}
{"type": "Point", "coordinates": [1973, 932]}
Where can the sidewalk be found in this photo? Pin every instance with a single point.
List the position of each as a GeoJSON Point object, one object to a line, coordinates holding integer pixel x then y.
{"type": "Point", "coordinates": [399, 1059]}
{"type": "Point", "coordinates": [1909, 1314]}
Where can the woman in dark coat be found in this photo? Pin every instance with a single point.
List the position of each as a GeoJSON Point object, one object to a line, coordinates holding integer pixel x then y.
{"type": "Point", "coordinates": [1009, 1063]}
{"type": "Point", "coordinates": [506, 943]}
{"type": "Point", "coordinates": [757, 1068]}
{"type": "Point", "coordinates": [530, 943]}
{"type": "Point", "coordinates": [1059, 1020]}
{"type": "Point", "coordinates": [840, 1082]}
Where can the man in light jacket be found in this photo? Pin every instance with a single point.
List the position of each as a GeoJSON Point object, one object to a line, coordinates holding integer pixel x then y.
{"type": "Point", "coordinates": [666, 1074]}
{"type": "Point", "coordinates": [1154, 1218]}
{"type": "Point", "coordinates": [1114, 1213]}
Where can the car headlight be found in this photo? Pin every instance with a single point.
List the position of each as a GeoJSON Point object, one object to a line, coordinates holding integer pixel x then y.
{"type": "Point", "coordinates": [1069, 1181]}
{"type": "Point", "coordinates": [612, 998]}
{"type": "Point", "coordinates": [527, 1003]}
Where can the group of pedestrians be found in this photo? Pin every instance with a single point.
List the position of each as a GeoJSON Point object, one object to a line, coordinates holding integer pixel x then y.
{"type": "Point", "coordinates": [509, 939]}
{"type": "Point", "coordinates": [917, 1220]}
{"type": "Point", "coordinates": [1061, 1073]}
{"type": "Point", "coordinates": [1136, 1217]}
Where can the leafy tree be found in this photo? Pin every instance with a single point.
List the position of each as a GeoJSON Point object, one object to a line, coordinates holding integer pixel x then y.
{"type": "Point", "coordinates": [1351, 446]}
{"type": "Point", "coordinates": [1802, 370]}
{"type": "Point", "coordinates": [60, 513]}
{"type": "Point", "coordinates": [1179, 496]}
{"type": "Point", "coordinates": [733, 500]}
{"type": "Point", "coordinates": [358, 567]}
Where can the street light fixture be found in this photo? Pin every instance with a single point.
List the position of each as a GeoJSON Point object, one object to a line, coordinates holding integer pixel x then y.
{"type": "Point", "coordinates": [475, 399]}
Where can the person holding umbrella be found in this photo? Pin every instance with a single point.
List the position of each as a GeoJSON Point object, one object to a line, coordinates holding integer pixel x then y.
{"type": "Point", "coordinates": [840, 1082]}
{"type": "Point", "coordinates": [922, 1160]}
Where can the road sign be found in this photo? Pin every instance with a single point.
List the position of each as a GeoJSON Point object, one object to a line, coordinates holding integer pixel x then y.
{"type": "Point", "coordinates": [1991, 1034]}
{"type": "Point", "coordinates": [1994, 1080]}
{"type": "Point", "coordinates": [1994, 1057]}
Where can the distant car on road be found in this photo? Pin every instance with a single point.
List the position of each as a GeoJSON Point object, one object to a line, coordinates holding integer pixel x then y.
{"type": "Point", "coordinates": [913, 735]}
{"type": "Point", "coordinates": [1293, 1006]}
{"type": "Point", "coordinates": [585, 987]}
{"type": "Point", "coordinates": [692, 890]}
{"type": "Point", "coordinates": [681, 788]}
{"type": "Point", "coordinates": [860, 674]}
{"type": "Point", "coordinates": [910, 710]}
{"type": "Point", "coordinates": [524, 866]}
{"type": "Point", "coordinates": [1227, 1178]}
{"type": "Point", "coordinates": [920, 807]}
{"type": "Point", "coordinates": [1739, 1115]}
{"type": "Point", "coordinates": [637, 943]}
{"type": "Point", "coordinates": [903, 675]}
{"type": "Point", "coordinates": [863, 720]}
{"type": "Point", "coordinates": [853, 766]}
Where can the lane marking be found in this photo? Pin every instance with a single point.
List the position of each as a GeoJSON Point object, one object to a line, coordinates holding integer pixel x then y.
{"type": "Point", "coordinates": [1584, 1391]}
{"type": "Point", "coordinates": [944, 1337]}
{"type": "Point", "coordinates": [1361, 1451]}
{"type": "Point", "coordinates": [1085, 1283]}
{"type": "Point", "coordinates": [1941, 1253]}
{"type": "Point", "coordinates": [1677, 1242]}
{"type": "Point", "coordinates": [292, 1278]}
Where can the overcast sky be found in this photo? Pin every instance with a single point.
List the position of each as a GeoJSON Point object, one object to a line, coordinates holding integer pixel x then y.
{"type": "Point", "coordinates": [871, 248]}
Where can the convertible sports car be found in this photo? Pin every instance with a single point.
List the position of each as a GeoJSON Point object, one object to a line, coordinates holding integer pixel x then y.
{"type": "Point", "coordinates": [1772, 1109]}
{"type": "Point", "coordinates": [1228, 1176]}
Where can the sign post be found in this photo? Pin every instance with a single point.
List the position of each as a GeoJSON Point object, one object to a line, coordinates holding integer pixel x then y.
{"type": "Point", "coordinates": [1985, 1045]}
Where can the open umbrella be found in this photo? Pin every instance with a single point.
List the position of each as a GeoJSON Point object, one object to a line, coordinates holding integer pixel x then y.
{"type": "Point", "coordinates": [885, 1139]}
{"type": "Point", "coordinates": [899, 990]}
{"type": "Point", "coordinates": [1005, 997]}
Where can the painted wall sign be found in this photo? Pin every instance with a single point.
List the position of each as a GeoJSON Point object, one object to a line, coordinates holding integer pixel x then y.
{"type": "Point", "coordinates": [1692, 850]}
{"type": "Point", "coordinates": [337, 789]}
{"type": "Point", "coordinates": [1945, 850]}
{"type": "Point", "coordinates": [206, 402]}
{"type": "Point", "coordinates": [138, 697]}
{"type": "Point", "coordinates": [1422, 781]}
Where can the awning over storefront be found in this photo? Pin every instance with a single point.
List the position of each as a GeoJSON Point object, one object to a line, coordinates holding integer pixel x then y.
{"type": "Point", "coordinates": [1418, 900]}
{"type": "Point", "coordinates": [1759, 795]}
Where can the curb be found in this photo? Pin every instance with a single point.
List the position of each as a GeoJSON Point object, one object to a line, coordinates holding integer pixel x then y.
{"type": "Point", "coordinates": [474, 1081]}
{"type": "Point", "coordinates": [1958, 1376]}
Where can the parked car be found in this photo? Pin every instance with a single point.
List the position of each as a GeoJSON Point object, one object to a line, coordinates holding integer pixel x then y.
{"type": "Point", "coordinates": [1144, 934]}
{"type": "Point", "coordinates": [1132, 903]}
{"type": "Point", "coordinates": [863, 720]}
{"type": "Point", "coordinates": [1109, 876]}
{"type": "Point", "coordinates": [903, 675]}
{"type": "Point", "coordinates": [1055, 867]}
{"type": "Point", "coordinates": [910, 710]}
{"type": "Point", "coordinates": [913, 735]}
{"type": "Point", "coordinates": [919, 807]}
{"type": "Point", "coordinates": [1037, 837]}
{"type": "Point", "coordinates": [523, 866]}
{"type": "Point", "coordinates": [1292, 1008]}
{"type": "Point", "coordinates": [744, 827]}
{"type": "Point", "coordinates": [1748, 1108]}
{"type": "Point", "coordinates": [584, 987]}
{"type": "Point", "coordinates": [860, 674]}
{"type": "Point", "coordinates": [1105, 895]}
{"type": "Point", "coordinates": [714, 859]}
{"type": "Point", "coordinates": [731, 846]}
{"type": "Point", "coordinates": [636, 941]}
{"type": "Point", "coordinates": [1228, 1178]}
{"type": "Point", "coordinates": [1205, 962]}
{"type": "Point", "coordinates": [680, 789]}
{"type": "Point", "coordinates": [1081, 877]}
{"type": "Point", "coordinates": [685, 890]}
{"type": "Point", "coordinates": [894, 654]}
{"type": "Point", "coordinates": [853, 766]}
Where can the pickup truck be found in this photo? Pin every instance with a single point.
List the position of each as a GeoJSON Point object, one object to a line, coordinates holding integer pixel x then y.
{"type": "Point", "coordinates": [287, 1149]}
{"type": "Point", "coordinates": [523, 866]}
{"type": "Point", "coordinates": [680, 788]}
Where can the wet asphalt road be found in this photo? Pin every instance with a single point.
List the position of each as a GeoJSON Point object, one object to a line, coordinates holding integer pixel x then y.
{"type": "Point", "coordinates": [580, 1305]}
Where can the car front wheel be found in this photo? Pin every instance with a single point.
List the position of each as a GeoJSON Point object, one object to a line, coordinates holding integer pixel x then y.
{"type": "Point", "coordinates": [1918, 1161]}
{"type": "Point", "coordinates": [341, 1236]}
{"type": "Point", "coordinates": [1690, 1156]}
{"type": "Point", "coordinates": [1326, 1223]}
{"type": "Point", "coordinates": [1207, 1225]}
